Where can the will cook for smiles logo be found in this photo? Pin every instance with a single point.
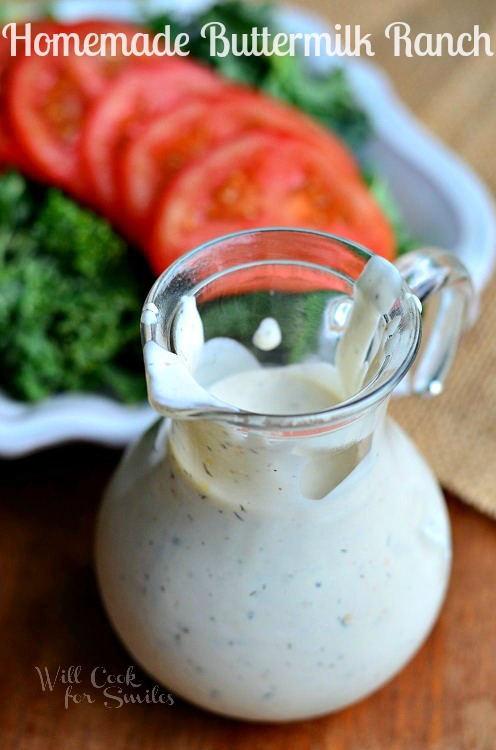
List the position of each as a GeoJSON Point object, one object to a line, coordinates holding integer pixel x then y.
{"type": "Point", "coordinates": [344, 40]}
{"type": "Point", "coordinates": [115, 690]}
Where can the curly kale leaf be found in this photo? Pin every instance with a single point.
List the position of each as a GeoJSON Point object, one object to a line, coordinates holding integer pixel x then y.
{"type": "Point", "coordinates": [70, 299]}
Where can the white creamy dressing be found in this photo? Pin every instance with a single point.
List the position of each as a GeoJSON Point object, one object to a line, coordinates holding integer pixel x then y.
{"type": "Point", "coordinates": [377, 288]}
{"type": "Point", "coordinates": [270, 578]}
{"type": "Point", "coordinates": [171, 385]}
{"type": "Point", "coordinates": [293, 389]}
{"type": "Point", "coordinates": [173, 378]}
{"type": "Point", "coordinates": [268, 335]}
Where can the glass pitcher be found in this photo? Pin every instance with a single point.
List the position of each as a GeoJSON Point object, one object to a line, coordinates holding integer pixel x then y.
{"type": "Point", "coordinates": [274, 547]}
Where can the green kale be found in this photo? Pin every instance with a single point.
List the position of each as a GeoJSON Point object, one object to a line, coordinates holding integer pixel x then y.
{"type": "Point", "coordinates": [70, 298]}
{"type": "Point", "coordinates": [328, 98]}
{"type": "Point", "coordinates": [238, 18]}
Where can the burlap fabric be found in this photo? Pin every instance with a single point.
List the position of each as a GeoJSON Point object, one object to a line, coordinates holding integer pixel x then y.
{"type": "Point", "coordinates": [456, 431]}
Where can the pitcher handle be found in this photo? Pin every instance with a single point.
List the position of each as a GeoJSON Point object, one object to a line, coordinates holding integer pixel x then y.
{"type": "Point", "coordinates": [439, 279]}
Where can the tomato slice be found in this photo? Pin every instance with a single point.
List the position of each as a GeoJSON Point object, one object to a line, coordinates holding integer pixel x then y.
{"type": "Point", "coordinates": [264, 180]}
{"type": "Point", "coordinates": [166, 144]}
{"type": "Point", "coordinates": [5, 135]}
{"type": "Point", "coordinates": [46, 108]}
{"type": "Point", "coordinates": [48, 97]}
{"type": "Point", "coordinates": [95, 73]}
{"type": "Point", "coordinates": [11, 152]}
{"type": "Point", "coordinates": [138, 94]}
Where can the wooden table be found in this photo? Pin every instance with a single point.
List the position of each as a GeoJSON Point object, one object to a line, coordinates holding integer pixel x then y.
{"type": "Point", "coordinates": [50, 612]}
{"type": "Point", "coordinates": [51, 616]}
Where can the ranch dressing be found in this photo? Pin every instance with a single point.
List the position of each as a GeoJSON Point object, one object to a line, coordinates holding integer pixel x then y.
{"type": "Point", "coordinates": [274, 577]}
{"type": "Point", "coordinates": [172, 385]}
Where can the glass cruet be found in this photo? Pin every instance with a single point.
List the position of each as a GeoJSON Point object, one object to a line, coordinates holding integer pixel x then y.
{"type": "Point", "coordinates": [275, 566]}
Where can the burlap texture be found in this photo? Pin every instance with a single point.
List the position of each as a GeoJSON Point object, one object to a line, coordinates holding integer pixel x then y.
{"type": "Point", "coordinates": [456, 431]}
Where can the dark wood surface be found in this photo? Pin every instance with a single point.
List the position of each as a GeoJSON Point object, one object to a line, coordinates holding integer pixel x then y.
{"type": "Point", "coordinates": [51, 616]}
{"type": "Point", "coordinates": [50, 612]}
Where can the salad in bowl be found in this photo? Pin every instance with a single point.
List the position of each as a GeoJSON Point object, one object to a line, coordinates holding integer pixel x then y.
{"type": "Point", "coordinates": [114, 165]}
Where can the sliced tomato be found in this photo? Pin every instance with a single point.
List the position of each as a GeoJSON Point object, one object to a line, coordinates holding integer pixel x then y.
{"type": "Point", "coordinates": [264, 180]}
{"type": "Point", "coordinates": [48, 97]}
{"type": "Point", "coordinates": [5, 135]}
{"type": "Point", "coordinates": [95, 73]}
{"type": "Point", "coordinates": [167, 143]}
{"type": "Point", "coordinates": [46, 108]}
{"type": "Point", "coordinates": [253, 110]}
{"type": "Point", "coordinates": [11, 152]}
{"type": "Point", "coordinates": [139, 94]}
